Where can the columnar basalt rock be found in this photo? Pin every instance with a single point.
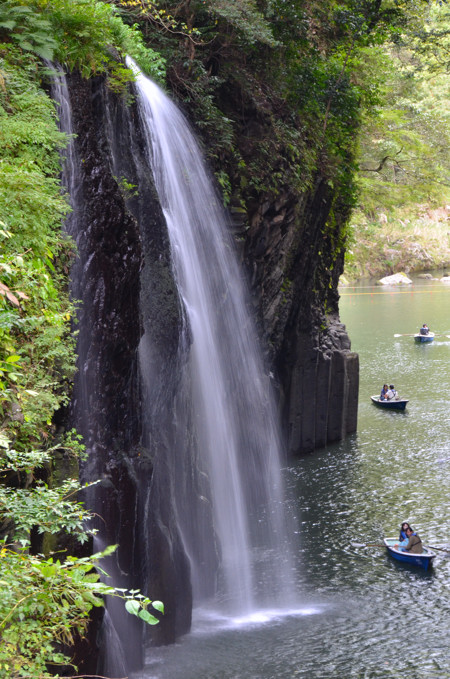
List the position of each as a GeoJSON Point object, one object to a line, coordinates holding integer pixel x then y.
{"type": "Point", "coordinates": [294, 276]}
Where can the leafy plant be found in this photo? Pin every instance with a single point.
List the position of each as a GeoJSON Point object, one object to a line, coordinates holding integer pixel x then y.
{"type": "Point", "coordinates": [45, 599]}
{"type": "Point", "coordinates": [45, 603]}
{"type": "Point", "coordinates": [31, 32]}
{"type": "Point", "coordinates": [79, 34]}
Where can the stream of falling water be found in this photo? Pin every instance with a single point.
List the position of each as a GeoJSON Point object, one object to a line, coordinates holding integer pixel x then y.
{"type": "Point", "coordinates": [236, 428]}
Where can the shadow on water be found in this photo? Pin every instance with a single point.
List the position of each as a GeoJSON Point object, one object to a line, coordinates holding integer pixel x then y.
{"type": "Point", "coordinates": [415, 571]}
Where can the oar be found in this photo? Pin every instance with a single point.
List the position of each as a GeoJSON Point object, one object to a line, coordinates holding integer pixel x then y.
{"type": "Point", "coordinates": [439, 549]}
{"type": "Point", "coordinates": [413, 334]}
{"type": "Point", "coordinates": [367, 544]}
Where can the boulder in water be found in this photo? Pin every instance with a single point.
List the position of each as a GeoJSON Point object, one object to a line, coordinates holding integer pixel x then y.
{"type": "Point", "coordinates": [395, 279]}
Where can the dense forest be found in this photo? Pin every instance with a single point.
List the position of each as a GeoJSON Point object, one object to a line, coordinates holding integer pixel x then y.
{"type": "Point", "coordinates": [284, 96]}
{"type": "Point", "coordinates": [401, 218]}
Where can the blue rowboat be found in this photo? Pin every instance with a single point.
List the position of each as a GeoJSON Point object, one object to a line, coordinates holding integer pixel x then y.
{"type": "Point", "coordinates": [422, 560]}
{"type": "Point", "coordinates": [393, 404]}
{"type": "Point", "coordinates": [424, 338]}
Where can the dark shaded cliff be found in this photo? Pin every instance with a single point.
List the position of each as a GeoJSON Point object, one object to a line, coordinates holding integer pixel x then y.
{"type": "Point", "coordinates": [129, 305]}
{"type": "Point", "coordinates": [279, 127]}
{"type": "Point", "coordinates": [292, 242]}
{"type": "Point", "coordinates": [127, 297]}
{"type": "Point", "coordinates": [295, 275]}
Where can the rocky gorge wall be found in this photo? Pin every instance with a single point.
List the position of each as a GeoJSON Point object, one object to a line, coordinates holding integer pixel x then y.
{"type": "Point", "coordinates": [291, 238]}
{"type": "Point", "coordinates": [295, 274]}
{"type": "Point", "coordinates": [129, 302]}
{"type": "Point", "coordinates": [120, 302]}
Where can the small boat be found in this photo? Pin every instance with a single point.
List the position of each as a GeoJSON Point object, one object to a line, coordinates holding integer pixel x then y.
{"type": "Point", "coordinates": [392, 404]}
{"type": "Point", "coordinates": [424, 338]}
{"type": "Point", "coordinates": [423, 560]}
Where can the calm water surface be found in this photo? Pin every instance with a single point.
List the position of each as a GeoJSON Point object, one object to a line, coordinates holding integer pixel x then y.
{"type": "Point", "coordinates": [355, 612]}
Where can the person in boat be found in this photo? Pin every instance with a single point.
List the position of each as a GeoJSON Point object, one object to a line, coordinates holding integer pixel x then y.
{"type": "Point", "coordinates": [424, 330]}
{"type": "Point", "coordinates": [405, 525]}
{"type": "Point", "coordinates": [384, 391]}
{"type": "Point", "coordinates": [414, 544]}
{"type": "Point", "coordinates": [391, 393]}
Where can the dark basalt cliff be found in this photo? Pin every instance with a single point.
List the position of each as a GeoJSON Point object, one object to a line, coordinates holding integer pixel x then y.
{"type": "Point", "coordinates": [294, 277]}
{"type": "Point", "coordinates": [122, 302]}
{"type": "Point", "coordinates": [291, 238]}
{"type": "Point", "coordinates": [128, 300]}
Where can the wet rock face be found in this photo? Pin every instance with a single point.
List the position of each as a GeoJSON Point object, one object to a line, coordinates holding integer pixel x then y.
{"type": "Point", "coordinates": [123, 281]}
{"type": "Point", "coordinates": [107, 283]}
{"type": "Point", "coordinates": [130, 313]}
{"type": "Point", "coordinates": [294, 272]}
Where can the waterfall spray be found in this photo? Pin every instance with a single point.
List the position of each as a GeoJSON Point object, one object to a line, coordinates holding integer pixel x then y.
{"type": "Point", "coordinates": [185, 440]}
{"type": "Point", "coordinates": [236, 434]}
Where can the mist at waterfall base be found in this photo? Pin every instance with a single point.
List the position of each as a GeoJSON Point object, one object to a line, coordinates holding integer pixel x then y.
{"type": "Point", "coordinates": [224, 396]}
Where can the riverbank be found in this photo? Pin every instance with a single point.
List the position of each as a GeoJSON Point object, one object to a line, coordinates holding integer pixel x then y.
{"type": "Point", "coordinates": [414, 239]}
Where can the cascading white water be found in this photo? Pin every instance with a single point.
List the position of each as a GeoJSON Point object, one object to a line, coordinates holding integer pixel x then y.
{"type": "Point", "coordinates": [70, 181]}
{"type": "Point", "coordinates": [237, 441]}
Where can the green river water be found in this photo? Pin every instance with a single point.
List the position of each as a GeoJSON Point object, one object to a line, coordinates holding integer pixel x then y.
{"type": "Point", "coordinates": [355, 612]}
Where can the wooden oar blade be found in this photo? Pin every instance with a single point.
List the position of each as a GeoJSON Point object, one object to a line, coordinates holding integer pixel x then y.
{"type": "Point", "coordinates": [438, 549]}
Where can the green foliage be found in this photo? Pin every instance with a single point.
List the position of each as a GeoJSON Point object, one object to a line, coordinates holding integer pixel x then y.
{"type": "Point", "coordinates": [215, 127]}
{"type": "Point", "coordinates": [45, 603]}
{"type": "Point", "coordinates": [127, 189]}
{"type": "Point", "coordinates": [429, 40]}
{"type": "Point", "coordinates": [81, 34]}
{"type": "Point", "coordinates": [48, 508]}
{"type": "Point", "coordinates": [31, 32]}
{"type": "Point", "coordinates": [403, 154]}
{"type": "Point", "coordinates": [26, 461]}
{"type": "Point", "coordinates": [404, 141]}
{"type": "Point", "coordinates": [409, 237]}
{"type": "Point", "coordinates": [35, 345]}
{"type": "Point", "coordinates": [44, 600]}
{"type": "Point", "coordinates": [245, 18]}
{"type": "Point", "coordinates": [149, 12]}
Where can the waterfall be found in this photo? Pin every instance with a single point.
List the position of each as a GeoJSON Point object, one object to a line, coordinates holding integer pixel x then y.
{"type": "Point", "coordinates": [236, 440]}
{"type": "Point", "coordinates": [171, 395]}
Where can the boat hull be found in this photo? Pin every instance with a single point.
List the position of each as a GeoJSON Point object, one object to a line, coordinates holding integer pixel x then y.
{"type": "Point", "coordinates": [394, 404]}
{"type": "Point", "coordinates": [423, 560]}
{"type": "Point", "coordinates": [424, 338]}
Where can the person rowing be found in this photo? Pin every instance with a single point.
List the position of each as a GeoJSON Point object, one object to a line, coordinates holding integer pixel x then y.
{"type": "Point", "coordinates": [391, 393]}
{"type": "Point", "coordinates": [412, 542]}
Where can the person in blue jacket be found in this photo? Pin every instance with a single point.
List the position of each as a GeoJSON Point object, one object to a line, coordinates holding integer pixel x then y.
{"type": "Point", "coordinates": [384, 391]}
{"type": "Point", "coordinates": [403, 529]}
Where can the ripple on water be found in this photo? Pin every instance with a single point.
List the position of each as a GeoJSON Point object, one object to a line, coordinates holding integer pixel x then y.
{"type": "Point", "coordinates": [371, 617]}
